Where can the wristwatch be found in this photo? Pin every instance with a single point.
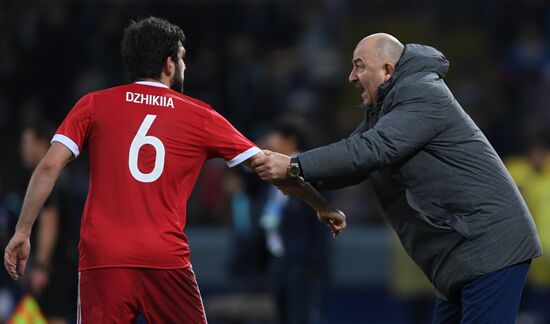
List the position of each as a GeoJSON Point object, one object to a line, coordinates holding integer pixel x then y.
{"type": "Point", "coordinates": [294, 170]}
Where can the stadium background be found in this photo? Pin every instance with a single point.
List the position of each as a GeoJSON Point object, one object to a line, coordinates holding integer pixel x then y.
{"type": "Point", "coordinates": [257, 60]}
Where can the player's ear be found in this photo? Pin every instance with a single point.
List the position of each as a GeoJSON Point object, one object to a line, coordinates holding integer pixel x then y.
{"type": "Point", "coordinates": [169, 67]}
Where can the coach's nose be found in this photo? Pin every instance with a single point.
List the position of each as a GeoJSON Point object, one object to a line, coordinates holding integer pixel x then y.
{"type": "Point", "coordinates": [352, 78]}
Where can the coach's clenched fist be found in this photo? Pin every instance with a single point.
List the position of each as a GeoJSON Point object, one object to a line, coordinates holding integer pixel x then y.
{"type": "Point", "coordinates": [271, 165]}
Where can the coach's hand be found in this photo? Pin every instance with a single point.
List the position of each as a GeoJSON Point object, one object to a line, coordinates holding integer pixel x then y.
{"type": "Point", "coordinates": [271, 166]}
{"type": "Point", "coordinates": [334, 219]}
{"type": "Point", "coordinates": [16, 254]}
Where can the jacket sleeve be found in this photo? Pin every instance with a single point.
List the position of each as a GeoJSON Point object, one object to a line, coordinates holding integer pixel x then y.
{"type": "Point", "coordinates": [342, 182]}
{"type": "Point", "coordinates": [398, 134]}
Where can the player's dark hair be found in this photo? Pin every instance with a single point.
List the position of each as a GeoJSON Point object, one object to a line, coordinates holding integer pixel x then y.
{"type": "Point", "coordinates": [43, 130]}
{"type": "Point", "coordinates": [293, 127]}
{"type": "Point", "coordinates": [146, 44]}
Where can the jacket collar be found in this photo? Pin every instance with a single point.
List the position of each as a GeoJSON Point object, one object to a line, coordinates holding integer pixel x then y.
{"type": "Point", "coordinates": [414, 59]}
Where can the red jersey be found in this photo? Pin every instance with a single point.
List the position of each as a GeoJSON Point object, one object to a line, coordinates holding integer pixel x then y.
{"type": "Point", "coordinates": [147, 146]}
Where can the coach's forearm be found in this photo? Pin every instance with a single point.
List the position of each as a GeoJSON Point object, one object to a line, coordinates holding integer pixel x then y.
{"type": "Point", "coordinates": [40, 187]}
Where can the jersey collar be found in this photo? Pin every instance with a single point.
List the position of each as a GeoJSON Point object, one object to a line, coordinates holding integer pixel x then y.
{"type": "Point", "coordinates": [153, 84]}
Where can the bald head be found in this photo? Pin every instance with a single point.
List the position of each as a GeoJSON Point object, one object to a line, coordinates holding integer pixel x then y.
{"type": "Point", "coordinates": [383, 46]}
{"type": "Point", "coordinates": [374, 61]}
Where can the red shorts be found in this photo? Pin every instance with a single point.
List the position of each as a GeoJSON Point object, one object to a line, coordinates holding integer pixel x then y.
{"type": "Point", "coordinates": [118, 295]}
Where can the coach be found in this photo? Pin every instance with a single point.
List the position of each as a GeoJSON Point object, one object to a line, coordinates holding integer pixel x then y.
{"type": "Point", "coordinates": [442, 186]}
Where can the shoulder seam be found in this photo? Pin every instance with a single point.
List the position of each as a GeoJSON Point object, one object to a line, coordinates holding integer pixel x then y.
{"type": "Point", "coordinates": [192, 103]}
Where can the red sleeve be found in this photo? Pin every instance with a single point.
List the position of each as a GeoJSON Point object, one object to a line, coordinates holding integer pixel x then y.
{"type": "Point", "coordinates": [225, 141]}
{"type": "Point", "coordinates": [74, 130]}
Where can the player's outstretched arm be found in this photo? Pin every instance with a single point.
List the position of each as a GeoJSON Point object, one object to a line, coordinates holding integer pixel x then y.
{"type": "Point", "coordinates": [272, 166]}
{"type": "Point", "coordinates": [326, 212]}
{"type": "Point", "coordinates": [41, 184]}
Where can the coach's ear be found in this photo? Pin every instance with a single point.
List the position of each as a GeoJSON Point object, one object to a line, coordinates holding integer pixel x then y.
{"type": "Point", "coordinates": [389, 69]}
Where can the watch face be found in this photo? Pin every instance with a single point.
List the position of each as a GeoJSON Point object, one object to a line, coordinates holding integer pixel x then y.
{"type": "Point", "coordinates": [294, 170]}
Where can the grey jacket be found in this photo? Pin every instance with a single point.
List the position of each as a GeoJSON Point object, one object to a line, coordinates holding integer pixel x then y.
{"type": "Point", "coordinates": [442, 186]}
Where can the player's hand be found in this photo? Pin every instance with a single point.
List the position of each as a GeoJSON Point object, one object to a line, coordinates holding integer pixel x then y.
{"type": "Point", "coordinates": [271, 166]}
{"type": "Point", "coordinates": [16, 255]}
{"type": "Point", "coordinates": [38, 280]}
{"type": "Point", "coordinates": [334, 219]}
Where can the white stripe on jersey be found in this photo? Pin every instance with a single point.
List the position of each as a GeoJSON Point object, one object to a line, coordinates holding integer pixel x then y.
{"type": "Point", "coordinates": [243, 156]}
{"type": "Point", "coordinates": [69, 143]}
{"type": "Point", "coordinates": [78, 310]}
{"type": "Point", "coordinates": [199, 291]}
{"type": "Point", "coordinates": [153, 84]}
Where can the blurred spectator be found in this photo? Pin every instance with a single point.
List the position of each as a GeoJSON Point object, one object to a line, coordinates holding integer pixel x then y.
{"type": "Point", "coordinates": [532, 175]}
{"type": "Point", "coordinates": [410, 285]}
{"type": "Point", "coordinates": [7, 286]}
{"type": "Point", "coordinates": [248, 257]}
{"type": "Point", "coordinates": [296, 241]}
{"type": "Point", "coordinates": [53, 273]}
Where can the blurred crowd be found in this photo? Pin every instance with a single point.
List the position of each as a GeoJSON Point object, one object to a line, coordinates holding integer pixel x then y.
{"type": "Point", "coordinates": [255, 61]}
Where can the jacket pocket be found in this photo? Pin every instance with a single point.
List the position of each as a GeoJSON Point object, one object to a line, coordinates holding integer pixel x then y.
{"type": "Point", "coordinates": [451, 223]}
{"type": "Point", "coordinates": [459, 223]}
{"type": "Point", "coordinates": [440, 223]}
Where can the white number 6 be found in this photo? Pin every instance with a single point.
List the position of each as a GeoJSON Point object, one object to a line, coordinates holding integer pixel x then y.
{"type": "Point", "coordinates": [139, 140]}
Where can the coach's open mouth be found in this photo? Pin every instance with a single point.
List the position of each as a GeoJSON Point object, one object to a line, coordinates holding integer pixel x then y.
{"type": "Point", "coordinates": [359, 86]}
{"type": "Point", "coordinates": [364, 93]}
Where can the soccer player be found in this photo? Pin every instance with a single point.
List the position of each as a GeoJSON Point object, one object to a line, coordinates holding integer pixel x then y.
{"type": "Point", "coordinates": [147, 144]}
